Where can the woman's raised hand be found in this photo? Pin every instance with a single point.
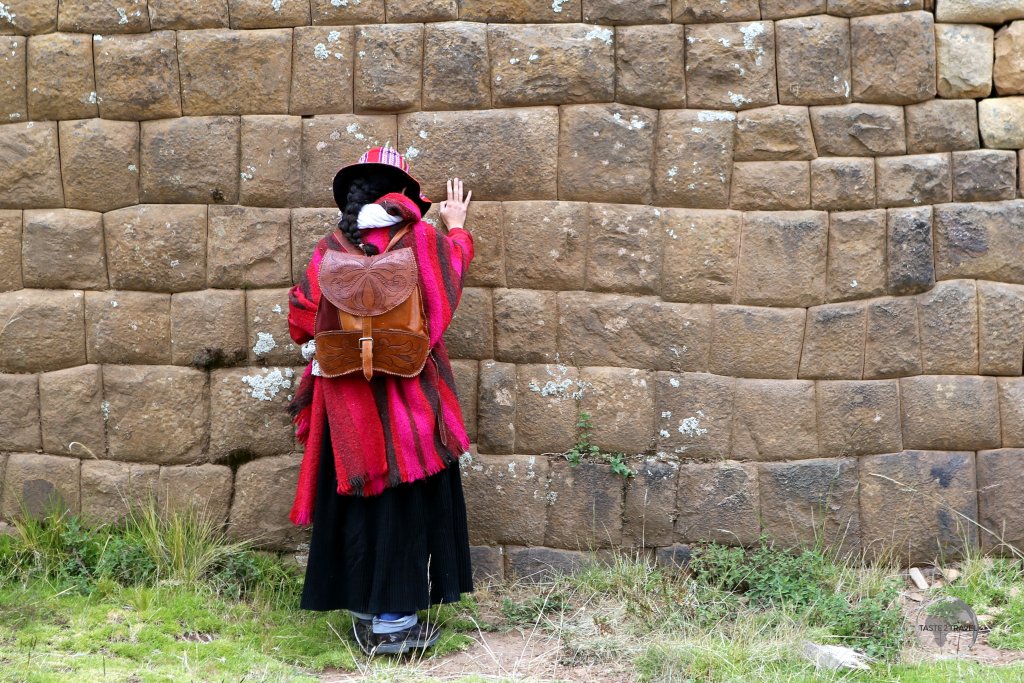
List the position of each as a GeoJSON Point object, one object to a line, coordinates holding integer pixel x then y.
{"type": "Point", "coordinates": [453, 209]}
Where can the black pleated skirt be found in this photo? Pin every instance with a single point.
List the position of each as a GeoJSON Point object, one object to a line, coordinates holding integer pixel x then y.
{"type": "Point", "coordinates": [400, 551]}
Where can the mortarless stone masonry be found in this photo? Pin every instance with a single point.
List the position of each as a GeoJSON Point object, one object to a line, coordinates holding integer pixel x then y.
{"type": "Point", "coordinates": [773, 249]}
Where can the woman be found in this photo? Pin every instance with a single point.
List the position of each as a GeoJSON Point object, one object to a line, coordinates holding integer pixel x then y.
{"type": "Point", "coordinates": [389, 535]}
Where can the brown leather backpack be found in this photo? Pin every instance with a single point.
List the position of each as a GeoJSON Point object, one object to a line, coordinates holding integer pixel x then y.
{"type": "Point", "coordinates": [370, 314]}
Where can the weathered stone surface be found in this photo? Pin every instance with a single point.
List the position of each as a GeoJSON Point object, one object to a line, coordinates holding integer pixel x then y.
{"type": "Point", "coordinates": [106, 490]}
{"type": "Point", "coordinates": [467, 380]}
{"type": "Point", "coordinates": [1011, 408]}
{"type": "Point", "coordinates": [533, 565]}
{"type": "Point", "coordinates": [649, 66]}
{"type": "Point", "coordinates": [137, 76]}
{"type": "Point", "coordinates": [188, 14]}
{"type": "Point", "coordinates": [248, 247]}
{"type": "Point", "coordinates": [979, 11]}
{"type": "Point", "coordinates": [388, 67]}
{"type": "Point", "coordinates": [893, 57]}
{"type": "Point", "coordinates": [520, 11]}
{"type": "Point", "coordinates": [471, 333]}
{"type": "Point", "coordinates": [999, 497]}
{"type": "Point", "coordinates": [981, 241]}
{"type": "Point", "coordinates": [546, 408]}
{"type": "Point", "coordinates": [422, 10]}
{"type": "Point", "coordinates": [624, 253]}
{"type": "Point", "coordinates": [61, 79]}
{"type": "Point", "coordinates": [247, 412]}
{"type": "Point", "coordinates": [63, 249]}
{"type": "Point", "coordinates": [620, 402]}
{"type": "Point", "coordinates": [778, 133]}
{"type": "Point", "coordinates": [270, 161]}
{"type": "Point", "coordinates": [964, 60]}
{"type": "Point", "coordinates": [693, 161]}
{"type": "Point", "coordinates": [155, 413]}
{"type": "Point", "coordinates": [329, 142]}
{"type": "Point", "coordinates": [456, 66]}
{"type": "Point", "coordinates": [1001, 120]}
{"type": "Point", "coordinates": [262, 499]}
{"type": "Point", "coordinates": [949, 411]}
{"type": "Point", "coordinates": [948, 316]}
{"type": "Point", "coordinates": [488, 564]}
{"type": "Point", "coordinates": [843, 183]}
{"type": "Point", "coordinates": [751, 341]}
{"type": "Point", "coordinates": [1001, 328]}
{"type": "Point", "coordinates": [676, 556]}
{"type": "Point", "coordinates": [506, 498]}
{"type": "Point", "coordinates": [771, 185]}
{"type": "Point", "coordinates": [208, 328]}
{"type": "Point", "coordinates": [717, 502]}
{"type": "Point", "coordinates": [308, 226]}
{"type": "Point", "coordinates": [270, 341]}
{"type": "Point", "coordinates": [37, 484]}
{"type": "Point", "coordinates": [732, 65]}
{"type": "Point", "coordinates": [644, 332]}
{"type": "Point", "coordinates": [190, 160]}
{"type": "Point", "coordinates": [782, 9]}
{"type": "Point", "coordinates": [322, 64]}
{"type": "Point", "coordinates": [858, 418]}
{"type": "Point", "coordinates": [484, 221]}
{"type": "Point", "coordinates": [99, 163]}
{"type": "Point", "coordinates": [935, 495]}
{"type": "Point", "coordinates": [892, 347]}
{"type": "Point", "coordinates": [618, 12]}
{"type": "Point", "coordinates": [851, 130]}
{"type": "Point", "coordinates": [156, 248]}
{"type": "Point", "coordinates": [43, 329]}
{"type": "Point", "coordinates": [103, 16]}
{"type": "Point", "coordinates": [525, 325]}
{"type": "Point", "coordinates": [128, 327]}
{"type": "Point", "coordinates": [598, 136]}
{"type": "Point", "coordinates": [256, 80]}
{"type": "Point", "coordinates": [802, 503]}
{"type": "Point", "coordinates": [699, 252]}
{"type": "Point", "coordinates": [496, 408]}
{"type": "Point", "coordinates": [813, 56]}
{"type": "Point", "coordinates": [694, 415]}
{"type": "Point", "coordinates": [70, 411]}
{"type": "Point", "coordinates": [10, 250]}
{"type": "Point", "coordinates": [911, 265]}
{"type": "Point", "coordinates": [984, 175]}
{"type": "Point", "coordinates": [204, 489]}
{"type": "Point", "coordinates": [705, 11]}
{"type": "Point", "coordinates": [1009, 59]}
{"type": "Point", "coordinates": [259, 14]}
{"type": "Point", "coordinates": [913, 180]}
{"type": "Point", "coordinates": [648, 514]}
{"type": "Point", "coordinates": [27, 18]}
{"type": "Point", "coordinates": [13, 101]}
{"type": "Point", "coordinates": [834, 342]}
{"type": "Point", "coordinates": [30, 174]}
{"type": "Point", "coordinates": [856, 255]}
{"type": "Point", "coordinates": [331, 13]}
{"type": "Point", "coordinates": [501, 154]}
{"type": "Point", "coordinates": [782, 262]}
{"type": "Point", "coordinates": [19, 420]}
{"type": "Point", "coordinates": [586, 506]}
{"type": "Point", "coordinates": [761, 431]}
{"type": "Point", "coordinates": [941, 126]}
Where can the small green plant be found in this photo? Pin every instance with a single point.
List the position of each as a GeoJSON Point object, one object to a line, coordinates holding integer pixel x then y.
{"type": "Point", "coordinates": [584, 449]}
{"type": "Point", "coordinates": [532, 610]}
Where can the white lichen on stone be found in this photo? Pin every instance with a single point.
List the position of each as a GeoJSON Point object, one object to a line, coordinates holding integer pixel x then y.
{"type": "Point", "coordinates": [333, 36]}
{"type": "Point", "coordinates": [6, 13]}
{"type": "Point", "coordinates": [105, 410]}
{"type": "Point", "coordinates": [737, 99]}
{"type": "Point", "coordinates": [466, 459]}
{"type": "Point", "coordinates": [133, 168]}
{"type": "Point", "coordinates": [308, 350]}
{"type": "Point", "coordinates": [249, 173]}
{"type": "Point", "coordinates": [750, 32]}
{"type": "Point", "coordinates": [265, 386]}
{"type": "Point", "coordinates": [93, 99]}
{"type": "Point", "coordinates": [513, 61]}
{"type": "Point", "coordinates": [605, 35]}
{"type": "Point", "coordinates": [715, 115]}
{"type": "Point", "coordinates": [674, 382]}
{"type": "Point", "coordinates": [424, 134]}
{"type": "Point", "coordinates": [556, 5]}
{"type": "Point", "coordinates": [320, 51]}
{"type": "Point", "coordinates": [277, 308]}
{"type": "Point", "coordinates": [265, 343]}
{"type": "Point", "coordinates": [412, 153]}
{"type": "Point", "coordinates": [123, 16]}
{"type": "Point", "coordinates": [512, 468]}
{"type": "Point", "coordinates": [339, 3]}
{"type": "Point", "coordinates": [353, 130]}
{"type": "Point", "coordinates": [691, 426]}
{"type": "Point", "coordinates": [533, 58]}
{"type": "Point", "coordinates": [276, 4]}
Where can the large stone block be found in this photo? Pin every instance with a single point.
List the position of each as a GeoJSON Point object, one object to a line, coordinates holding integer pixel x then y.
{"type": "Point", "coordinates": [322, 62]}
{"type": "Point", "coordinates": [999, 487]}
{"type": "Point", "coordinates": [525, 325]}
{"type": "Point", "coordinates": [500, 154]}
{"type": "Point", "coordinates": [467, 382]}
{"type": "Point", "coordinates": [941, 126]}
{"type": "Point", "coordinates": [308, 226]}
{"type": "Point", "coordinates": [778, 133]}
{"type": "Point", "coordinates": [63, 249]}
{"type": "Point", "coordinates": [488, 563]}
{"type": "Point", "coordinates": [546, 408]}
{"type": "Point", "coordinates": [70, 410]}
{"type": "Point", "coordinates": [156, 248]}
{"type": "Point", "coordinates": [843, 183]}
{"type": "Point", "coordinates": [694, 415]}
{"type": "Point", "coordinates": [19, 420]}
{"type": "Point", "coordinates": [43, 329]}
{"type": "Point", "coordinates": [648, 514]}
{"type": "Point", "coordinates": [1001, 328]}
{"type": "Point", "coordinates": [649, 66]}
{"type": "Point", "coordinates": [496, 407]}
{"type": "Point", "coordinates": [762, 429]}
{"type": "Point", "coordinates": [949, 411]}
{"type": "Point", "coordinates": [190, 160]}
{"type": "Point", "coordinates": [731, 65]}
{"type": "Point", "coordinates": [893, 57]}
{"type": "Point", "coordinates": [329, 142]}
{"type": "Point", "coordinates": [188, 14]}
{"type": "Point", "coordinates": [914, 180]}
{"type": "Point", "coordinates": [1009, 60]}
{"type": "Point", "coordinates": [782, 262]}
{"type": "Point", "coordinates": [422, 10]}
{"type": "Point", "coordinates": [208, 328]}
{"type": "Point", "coordinates": [813, 55]}
{"type": "Point", "coordinates": [771, 185]}
{"type": "Point", "coordinates": [203, 489]}
{"type": "Point", "coordinates": [979, 11]}
{"type": "Point", "coordinates": [269, 339]}
{"type": "Point", "coordinates": [484, 220]}
{"type": "Point", "coordinates": [810, 502]}
{"type": "Point", "coordinates": [61, 79]}
{"type": "Point", "coordinates": [892, 345]}
{"type": "Point", "coordinates": [1000, 119]}
{"type": "Point", "coordinates": [103, 16]}
{"type": "Point", "coordinates": [13, 100]}
{"type": "Point", "coordinates": [936, 499]}
{"type": "Point", "coordinates": [155, 413]}
{"type": "Point", "coordinates": [980, 241]}
{"type": "Point", "coordinates": [693, 161]}
{"type": "Point", "coordinates": [128, 327]}
{"type": "Point", "coordinates": [984, 175]}
{"type": "Point", "coordinates": [858, 417]}
{"type": "Point", "coordinates": [106, 490]}
{"type": "Point", "coordinates": [585, 512]}
{"type": "Point", "coordinates": [506, 498]}
{"type": "Point", "coordinates": [749, 341]}
{"type": "Point", "coordinates": [709, 11]}
{"type": "Point", "coordinates": [520, 11]}
{"type": "Point", "coordinates": [833, 345]}
{"type": "Point", "coordinates": [850, 130]}
{"type": "Point", "coordinates": [99, 163]}
{"type": "Point", "coordinates": [619, 12]}
{"type": "Point", "coordinates": [620, 402]}
{"type": "Point", "coordinates": [624, 253]}
{"type": "Point", "coordinates": [964, 60]}
{"type": "Point", "coordinates": [540, 64]}
{"type": "Point", "coordinates": [471, 333]}
{"type": "Point", "coordinates": [137, 76]}
{"type": "Point", "coordinates": [262, 498]}
{"type": "Point", "coordinates": [540, 564]}
{"type": "Point", "coordinates": [259, 14]}
{"type": "Point", "coordinates": [1011, 409]}
{"type": "Point", "coordinates": [38, 484]}
{"type": "Point", "coordinates": [717, 502]}
{"type": "Point", "coordinates": [27, 18]}
{"type": "Point", "coordinates": [248, 247]}
{"type": "Point", "coordinates": [247, 412]}
{"type": "Point", "coordinates": [456, 66]}
{"type": "Point", "coordinates": [388, 67]}
{"type": "Point", "coordinates": [699, 252]}
{"type": "Point", "coordinates": [257, 79]}
{"type": "Point", "coordinates": [909, 247]}
{"type": "Point", "coordinates": [336, 12]}
{"type": "Point", "coordinates": [782, 9]}
{"type": "Point", "coordinates": [948, 316]}
{"type": "Point", "coordinates": [643, 332]}
{"type": "Point", "coordinates": [270, 159]}
{"type": "Point", "coordinates": [10, 250]}
{"type": "Point", "coordinates": [30, 166]}
{"type": "Point", "coordinates": [857, 8]}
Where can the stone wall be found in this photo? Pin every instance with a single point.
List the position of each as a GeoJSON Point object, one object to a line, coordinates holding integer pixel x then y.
{"type": "Point", "coordinates": [774, 249]}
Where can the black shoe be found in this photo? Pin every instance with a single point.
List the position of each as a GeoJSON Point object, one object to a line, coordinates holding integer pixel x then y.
{"type": "Point", "coordinates": [418, 635]}
{"type": "Point", "coordinates": [362, 629]}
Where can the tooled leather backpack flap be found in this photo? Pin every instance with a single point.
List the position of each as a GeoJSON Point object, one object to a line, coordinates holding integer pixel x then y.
{"type": "Point", "coordinates": [368, 285]}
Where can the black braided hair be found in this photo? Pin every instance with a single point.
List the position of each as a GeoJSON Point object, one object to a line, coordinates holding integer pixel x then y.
{"type": "Point", "coordinates": [363, 190]}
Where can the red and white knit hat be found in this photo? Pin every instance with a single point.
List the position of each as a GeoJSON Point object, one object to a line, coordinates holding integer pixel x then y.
{"type": "Point", "coordinates": [387, 159]}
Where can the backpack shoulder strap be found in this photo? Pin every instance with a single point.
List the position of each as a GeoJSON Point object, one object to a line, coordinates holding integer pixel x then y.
{"type": "Point", "coordinates": [398, 235]}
